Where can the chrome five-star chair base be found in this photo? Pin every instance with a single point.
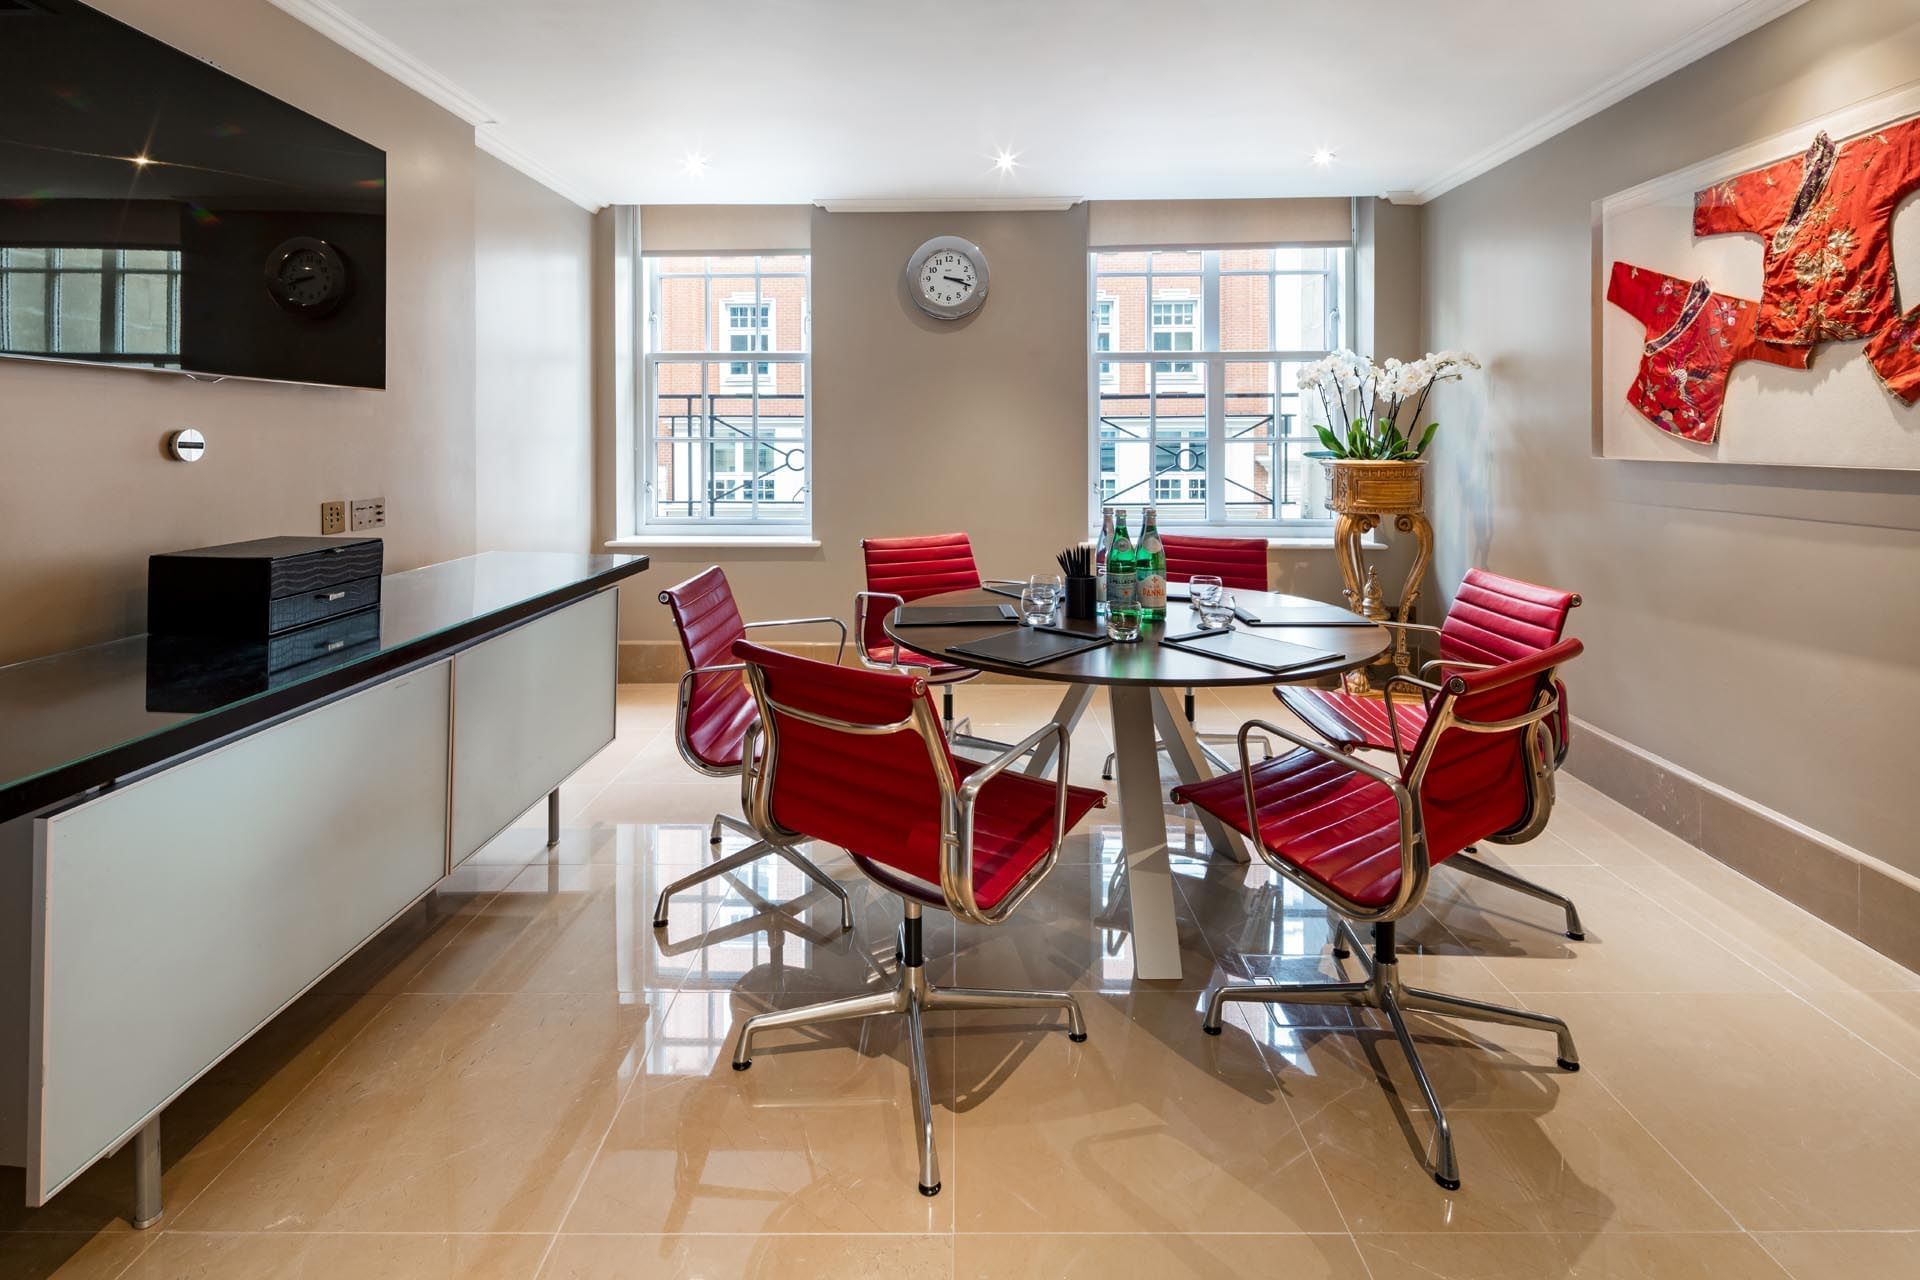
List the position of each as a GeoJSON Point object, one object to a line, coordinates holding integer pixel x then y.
{"type": "Point", "coordinates": [1382, 989]}
{"type": "Point", "coordinates": [752, 853]}
{"type": "Point", "coordinates": [915, 997]}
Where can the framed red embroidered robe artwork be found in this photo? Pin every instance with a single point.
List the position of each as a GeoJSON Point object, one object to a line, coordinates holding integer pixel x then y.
{"type": "Point", "coordinates": [1749, 308]}
{"type": "Point", "coordinates": [1694, 338]}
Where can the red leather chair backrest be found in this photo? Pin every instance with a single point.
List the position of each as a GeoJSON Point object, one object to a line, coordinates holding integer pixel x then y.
{"type": "Point", "coordinates": [719, 706]}
{"type": "Point", "coordinates": [914, 567]}
{"type": "Point", "coordinates": [1241, 563]}
{"type": "Point", "coordinates": [1479, 784]}
{"type": "Point", "coordinates": [1496, 619]}
{"type": "Point", "coordinates": [877, 793]}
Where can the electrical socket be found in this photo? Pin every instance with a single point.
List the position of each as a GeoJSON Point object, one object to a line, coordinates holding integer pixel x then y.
{"type": "Point", "coordinates": [333, 517]}
{"type": "Point", "coordinates": [369, 513]}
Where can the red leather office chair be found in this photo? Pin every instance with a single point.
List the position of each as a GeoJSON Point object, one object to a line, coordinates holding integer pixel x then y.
{"type": "Point", "coordinates": [902, 570]}
{"type": "Point", "coordinates": [715, 712]}
{"type": "Point", "coordinates": [1363, 840]}
{"type": "Point", "coordinates": [1493, 619]}
{"type": "Point", "coordinates": [857, 758]}
{"type": "Point", "coordinates": [1241, 565]}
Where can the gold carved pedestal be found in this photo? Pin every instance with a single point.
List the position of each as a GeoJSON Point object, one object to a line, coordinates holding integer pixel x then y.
{"type": "Point", "coordinates": [1360, 495]}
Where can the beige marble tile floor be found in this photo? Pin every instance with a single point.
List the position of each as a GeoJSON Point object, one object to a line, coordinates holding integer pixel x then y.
{"type": "Point", "coordinates": [524, 1079]}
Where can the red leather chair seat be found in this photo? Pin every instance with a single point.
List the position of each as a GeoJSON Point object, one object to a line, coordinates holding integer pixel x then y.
{"type": "Point", "coordinates": [1012, 829]}
{"type": "Point", "coordinates": [1337, 826]}
{"type": "Point", "coordinates": [1349, 720]}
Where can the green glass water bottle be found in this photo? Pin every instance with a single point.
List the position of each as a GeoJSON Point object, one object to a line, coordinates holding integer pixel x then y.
{"type": "Point", "coordinates": [1150, 570]}
{"type": "Point", "coordinates": [1123, 588]}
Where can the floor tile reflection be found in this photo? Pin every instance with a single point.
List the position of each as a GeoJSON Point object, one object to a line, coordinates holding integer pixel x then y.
{"type": "Point", "coordinates": [523, 1076]}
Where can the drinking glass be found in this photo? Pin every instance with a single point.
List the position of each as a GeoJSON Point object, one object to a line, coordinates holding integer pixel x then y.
{"type": "Point", "coordinates": [1217, 613]}
{"type": "Point", "coordinates": [1203, 593]}
{"type": "Point", "coordinates": [1039, 598]}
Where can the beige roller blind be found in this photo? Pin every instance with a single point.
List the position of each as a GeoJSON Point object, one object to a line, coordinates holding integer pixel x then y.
{"type": "Point", "coordinates": [725, 228]}
{"type": "Point", "coordinates": [1219, 224]}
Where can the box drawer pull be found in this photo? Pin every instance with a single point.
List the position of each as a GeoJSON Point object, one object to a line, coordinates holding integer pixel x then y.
{"type": "Point", "coordinates": [330, 596]}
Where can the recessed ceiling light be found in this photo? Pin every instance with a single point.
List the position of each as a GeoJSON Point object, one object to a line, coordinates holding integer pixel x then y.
{"type": "Point", "coordinates": [1322, 156]}
{"type": "Point", "coordinates": [141, 161]}
{"type": "Point", "coordinates": [1006, 161]}
{"type": "Point", "coordinates": [695, 165]}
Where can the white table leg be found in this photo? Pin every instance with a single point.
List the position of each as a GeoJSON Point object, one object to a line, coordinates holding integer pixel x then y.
{"type": "Point", "coordinates": [1190, 763]}
{"type": "Point", "coordinates": [1068, 714]}
{"type": "Point", "coordinates": [1143, 828]}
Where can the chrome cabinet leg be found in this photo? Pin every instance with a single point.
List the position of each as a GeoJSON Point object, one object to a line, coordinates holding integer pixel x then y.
{"type": "Point", "coordinates": [963, 999]}
{"type": "Point", "coordinates": [1446, 1169]}
{"type": "Point", "coordinates": [922, 1100]}
{"type": "Point", "coordinates": [553, 817]}
{"type": "Point", "coordinates": [146, 1176]}
{"type": "Point", "coordinates": [1507, 880]}
{"type": "Point", "coordinates": [1480, 1011]}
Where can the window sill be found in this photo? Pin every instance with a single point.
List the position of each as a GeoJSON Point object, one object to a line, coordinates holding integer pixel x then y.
{"type": "Point", "coordinates": [641, 542]}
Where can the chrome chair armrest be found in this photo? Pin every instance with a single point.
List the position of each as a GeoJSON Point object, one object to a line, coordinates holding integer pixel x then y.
{"type": "Point", "coordinates": [1413, 858]}
{"type": "Point", "coordinates": [838, 654]}
{"type": "Point", "coordinates": [1427, 690]}
{"type": "Point", "coordinates": [957, 874]}
{"type": "Point", "coordinates": [861, 601]}
{"type": "Point", "coordinates": [1460, 663]}
{"type": "Point", "coordinates": [1407, 626]}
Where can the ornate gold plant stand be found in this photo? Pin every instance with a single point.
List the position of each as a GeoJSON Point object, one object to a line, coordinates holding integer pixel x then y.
{"type": "Point", "coordinates": [1360, 494]}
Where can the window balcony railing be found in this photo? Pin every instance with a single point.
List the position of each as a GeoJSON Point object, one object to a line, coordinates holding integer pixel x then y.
{"type": "Point", "coordinates": [760, 463]}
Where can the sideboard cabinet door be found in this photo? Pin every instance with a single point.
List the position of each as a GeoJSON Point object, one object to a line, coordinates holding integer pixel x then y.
{"type": "Point", "coordinates": [175, 914]}
{"type": "Point", "coordinates": [530, 707]}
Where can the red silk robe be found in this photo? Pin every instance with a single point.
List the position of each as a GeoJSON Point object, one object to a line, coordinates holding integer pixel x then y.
{"type": "Point", "coordinates": [1895, 355]}
{"type": "Point", "coordinates": [1694, 338]}
{"type": "Point", "coordinates": [1827, 220]}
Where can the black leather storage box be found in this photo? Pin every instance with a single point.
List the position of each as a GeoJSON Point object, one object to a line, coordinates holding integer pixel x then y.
{"type": "Point", "coordinates": [253, 590]}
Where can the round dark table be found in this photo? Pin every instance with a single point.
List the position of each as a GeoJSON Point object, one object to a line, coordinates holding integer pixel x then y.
{"type": "Point", "coordinates": [1143, 681]}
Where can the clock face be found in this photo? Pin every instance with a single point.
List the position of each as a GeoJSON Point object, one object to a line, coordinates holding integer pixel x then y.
{"type": "Point", "coordinates": [947, 277]}
{"type": "Point", "coordinates": [307, 276]}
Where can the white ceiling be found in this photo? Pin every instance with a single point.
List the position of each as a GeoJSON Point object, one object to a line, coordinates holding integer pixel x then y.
{"type": "Point", "coordinates": [802, 100]}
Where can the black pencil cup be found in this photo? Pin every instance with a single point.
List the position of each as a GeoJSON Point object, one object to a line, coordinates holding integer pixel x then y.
{"type": "Point", "coordinates": [1081, 597]}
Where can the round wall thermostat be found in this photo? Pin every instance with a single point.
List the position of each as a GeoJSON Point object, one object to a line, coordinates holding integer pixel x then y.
{"type": "Point", "coordinates": [186, 445]}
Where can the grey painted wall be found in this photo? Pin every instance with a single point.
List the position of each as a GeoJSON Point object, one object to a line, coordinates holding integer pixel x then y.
{"type": "Point", "coordinates": [1754, 625]}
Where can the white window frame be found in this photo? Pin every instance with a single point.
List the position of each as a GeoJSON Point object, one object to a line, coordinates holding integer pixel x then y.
{"type": "Point", "coordinates": [1210, 365]}
{"type": "Point", "coordinates": [1105, 307]}
{"type": "Point", "coordinates": [741, 378]}
{"type": "Point", "coordinates": [1169, 372]}
{"type": "Point", "coordinates": [717, 380]}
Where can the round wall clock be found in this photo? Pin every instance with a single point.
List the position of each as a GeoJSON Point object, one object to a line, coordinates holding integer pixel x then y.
{"type": "Point", "coordinates": [947, 277]}
{"type": "Point", "coordinates": [307, 277]}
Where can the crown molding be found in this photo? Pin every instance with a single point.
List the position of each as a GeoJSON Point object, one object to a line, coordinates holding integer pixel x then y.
{"type": "Point", "coordinates": [1723, 30]}
{"type": "Point", "coordinates": [364, 42]}
{"type": "Point", "coordinates": [954, 204]}
{"type": "Point", "coordinates": [488, 139]}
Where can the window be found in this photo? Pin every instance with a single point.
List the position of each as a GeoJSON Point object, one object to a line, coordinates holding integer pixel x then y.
{"type": "Point", "coordinates": [1103, 337]}
{"type": "Point", "coordinates": [749, 328]}
{"type": "Point", "coordinates": [1215, 435]}
{"type": "Point", "coordinates": [1173, 330]}
{"type": "Point", "coordinates": [726, 439]}
{"type": "Point", "coordinates": [102, 304]}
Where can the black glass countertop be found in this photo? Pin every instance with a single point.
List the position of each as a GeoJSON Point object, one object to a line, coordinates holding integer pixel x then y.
{"type": "Point", "coordinates": [76, 720]}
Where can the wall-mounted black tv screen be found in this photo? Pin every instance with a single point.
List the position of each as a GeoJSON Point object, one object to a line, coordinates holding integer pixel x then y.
{"type": "Point", "coordinates": [157, 213]}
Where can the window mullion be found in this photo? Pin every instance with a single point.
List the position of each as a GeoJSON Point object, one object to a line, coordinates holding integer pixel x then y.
{"type": "Point", "coordinates": [1216, 470]}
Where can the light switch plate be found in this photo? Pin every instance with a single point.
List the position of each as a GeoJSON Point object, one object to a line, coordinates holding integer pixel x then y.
{"type": "Point", "coordinates": [333, 517]}
{"type": "Point", "coordinates": [369, 513]}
